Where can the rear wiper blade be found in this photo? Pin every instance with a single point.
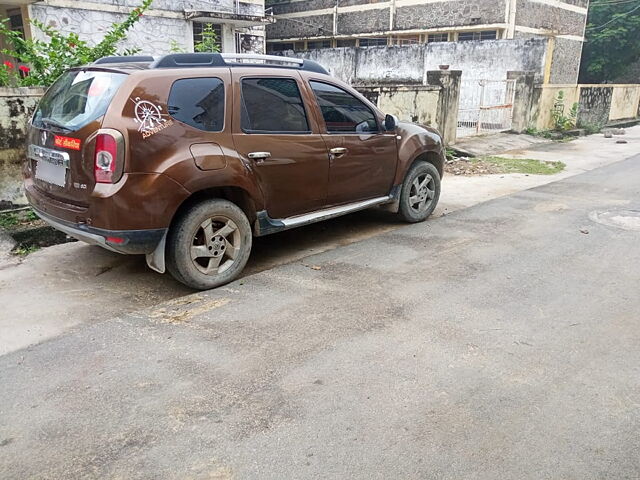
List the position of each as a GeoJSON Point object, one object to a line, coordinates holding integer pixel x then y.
{"type": "Point", "coordinates": [54, 123]}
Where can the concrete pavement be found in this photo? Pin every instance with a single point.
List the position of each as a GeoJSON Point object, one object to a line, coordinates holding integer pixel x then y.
{"type": "Point", "coordinates": [501, 341]}
{"type": "Point", "coordinates": [77, 284]}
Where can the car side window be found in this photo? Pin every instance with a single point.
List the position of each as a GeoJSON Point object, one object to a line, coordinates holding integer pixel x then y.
{"type": "Point", "coordinates": [198, 102]}
{"type": "Point", "coordinates": [272, 105]}
{"type": "Point", "coordinates": [342, 112]}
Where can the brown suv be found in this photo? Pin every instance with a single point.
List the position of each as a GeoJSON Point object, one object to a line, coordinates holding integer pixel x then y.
{"type": "Point", "coordinates": [186, 157]}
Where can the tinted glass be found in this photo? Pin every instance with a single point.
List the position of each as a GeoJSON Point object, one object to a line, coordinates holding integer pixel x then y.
{"type": "Point", "coordinates": [272, 105]}
{"type": "Point", "coordinates": [76, 99]}
{"type": "Point", "coordinates": [198, 102]}
{"type": "Point", "coordinates": [342, 111]}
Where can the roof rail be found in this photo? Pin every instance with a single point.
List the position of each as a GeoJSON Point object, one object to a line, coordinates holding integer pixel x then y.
{"type": "Point", "coordinates": [195, 60]}
{"type": "Point", "coordinates": [124, 59]}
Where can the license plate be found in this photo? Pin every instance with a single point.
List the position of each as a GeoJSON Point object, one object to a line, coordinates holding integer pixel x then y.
{"type": "Point", "coordinates": [50, 173]}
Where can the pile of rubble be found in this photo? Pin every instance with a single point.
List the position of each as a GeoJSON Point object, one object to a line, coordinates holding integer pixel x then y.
{"type": "Point", "coordinates": [470, 166]}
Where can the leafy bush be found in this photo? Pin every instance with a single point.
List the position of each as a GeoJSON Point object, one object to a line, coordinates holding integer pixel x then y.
{"type": "Point", "coordinates": [50, 59]}
{"type": "Point", "coordinates": [561, 122]}
{"type": "Point", "coordinates": [209, 42]}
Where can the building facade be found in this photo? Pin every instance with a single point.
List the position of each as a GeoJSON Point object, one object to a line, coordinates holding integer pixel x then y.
{"type": "Point", "coordinates": [304, 25]}
{"type": "Point", "coordinates": [169, 25]}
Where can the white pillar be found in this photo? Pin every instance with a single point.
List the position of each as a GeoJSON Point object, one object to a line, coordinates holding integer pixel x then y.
{"type": "Point", "coordinates": [228, 38]}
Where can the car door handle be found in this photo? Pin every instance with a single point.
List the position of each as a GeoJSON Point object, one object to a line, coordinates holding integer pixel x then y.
{"type": "Point", "coordinates": [259, 155]}
{"type": "Point", "coordinates": [338, 151]}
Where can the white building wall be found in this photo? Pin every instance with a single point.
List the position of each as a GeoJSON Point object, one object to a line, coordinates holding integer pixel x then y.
{"type": "Point", "coordinates": [157, 31]}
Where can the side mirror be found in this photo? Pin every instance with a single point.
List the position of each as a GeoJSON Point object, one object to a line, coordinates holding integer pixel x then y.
{"type": "Point", "coordinates": [390, 122]}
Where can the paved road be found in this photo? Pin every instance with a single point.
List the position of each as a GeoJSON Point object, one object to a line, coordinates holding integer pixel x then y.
{"type": "Point", "coordinates": [501, 341]}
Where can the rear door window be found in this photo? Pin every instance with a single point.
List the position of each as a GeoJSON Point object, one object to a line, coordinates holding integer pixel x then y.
{"type": "Point", "coordinates": [342, 112]}
{"type": "Point", "coordinates": [198, 102]}
{"type": "Point", "coordinates": [76, 99]}
{"type": "Point", "coordinates": [272, 105]}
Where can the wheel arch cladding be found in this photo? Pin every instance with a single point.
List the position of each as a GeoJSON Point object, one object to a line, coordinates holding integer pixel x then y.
{"type": "Point", "coordinates": [429, 156]}
{"type": "Point", "coordinates": [233, 194]}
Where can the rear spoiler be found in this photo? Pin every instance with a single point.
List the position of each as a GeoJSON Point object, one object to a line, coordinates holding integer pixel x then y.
{"type": "Point", "coordinates": [125, 59]}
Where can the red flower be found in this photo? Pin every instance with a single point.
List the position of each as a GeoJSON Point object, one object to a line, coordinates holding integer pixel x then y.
{"type": "Point", "coordinates": [24, 69]}
{"type": "Point", "coordinates": [8, 64]}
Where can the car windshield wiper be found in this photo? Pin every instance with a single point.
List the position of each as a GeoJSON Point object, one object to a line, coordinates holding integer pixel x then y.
{"type": "Point", "coordinates": [50, 122]}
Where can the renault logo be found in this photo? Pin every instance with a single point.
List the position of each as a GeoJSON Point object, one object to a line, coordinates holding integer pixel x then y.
{"type": "Point", "coordinates": [43, 138]}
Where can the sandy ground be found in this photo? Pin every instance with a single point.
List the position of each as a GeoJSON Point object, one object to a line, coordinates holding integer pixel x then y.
{"type": "Point", "coordinates": [60, 287]}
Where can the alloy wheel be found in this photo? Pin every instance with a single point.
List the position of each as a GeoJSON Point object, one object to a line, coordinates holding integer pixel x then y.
{"type": "Point", "coordinates": [423, 190]}
{"type": "Point", "coordinates": [215, 245]}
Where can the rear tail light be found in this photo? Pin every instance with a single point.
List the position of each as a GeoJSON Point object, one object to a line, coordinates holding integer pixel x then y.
{"type": "Point", "coordinates": [108, 158]}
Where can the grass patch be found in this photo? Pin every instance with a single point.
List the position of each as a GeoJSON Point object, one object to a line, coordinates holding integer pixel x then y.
{"type": "Point", "coordinates": [523, 165]}
{"type": "Point", "coordinates": [24, 250]}
{"type": "Point", "coordinates": [8, 220]}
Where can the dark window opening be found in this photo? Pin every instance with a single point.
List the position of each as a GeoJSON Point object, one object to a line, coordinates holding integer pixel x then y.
{"type": "Point", "coordinates": [342, 112]}
{"type": "Point", "coordinates": [317, 44]}
{"type": "Point", "coordinates": [280, 46]}
{"type": "Point", "coordinates": [485, 35]}
{"type": "Point", "coordinates": [438, 37]}
{"type": "Point", "coordinates": [346, 42]}
{"type": "Point", "coordinates": [373, 42]}
{"type": "Point", "coordinates": [272, 105]}
{"type": "Point", "coordinates": [198, 102]}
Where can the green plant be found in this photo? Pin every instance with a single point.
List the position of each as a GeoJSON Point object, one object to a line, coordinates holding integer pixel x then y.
{"type": "Point", "coordinates": [561, 122]}
{"type": "Point", "coordinates": [209, 42]}
{"type": "Point", "coordinates": [49, 59]}
{"type": "Point", "coordinates": [8, 220]}
{"type": "Point", "coordinates": [24, 250]}
{"type": "Point", "coordinates": [591, 128]}
{"type": "Point", "coordinates": [175, 47]}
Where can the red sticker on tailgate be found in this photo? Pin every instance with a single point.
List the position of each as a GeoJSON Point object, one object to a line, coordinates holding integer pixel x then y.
{"type": "Point", "coordinates": [67, 142]}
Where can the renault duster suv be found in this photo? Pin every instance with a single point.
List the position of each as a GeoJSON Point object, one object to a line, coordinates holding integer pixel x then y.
{"type": "Point", "coordinates": [185, 158]}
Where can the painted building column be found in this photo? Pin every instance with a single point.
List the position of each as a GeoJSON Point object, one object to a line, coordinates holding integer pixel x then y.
{"type": "Point", "coordinates": [448, 102]}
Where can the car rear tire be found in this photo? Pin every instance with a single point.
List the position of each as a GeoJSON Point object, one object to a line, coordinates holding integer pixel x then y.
{"type": "Point", "coordinates": [420, 192]}
{"type": "Point", "coordinates": [209, 245]}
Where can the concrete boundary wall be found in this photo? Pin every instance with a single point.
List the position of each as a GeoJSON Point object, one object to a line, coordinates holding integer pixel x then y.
{"type": "Point", "coordinates": [435, 105]}
{"type": "Point", "coordinates": [16, 108]}
{"type": "Point", "coordinates": [598, 105]}
{"type": "Point", "coordinates": [396, 65]}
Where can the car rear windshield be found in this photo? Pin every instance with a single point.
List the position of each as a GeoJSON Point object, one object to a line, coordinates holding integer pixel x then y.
{"type": "Point", "coordinates": [76, 99]}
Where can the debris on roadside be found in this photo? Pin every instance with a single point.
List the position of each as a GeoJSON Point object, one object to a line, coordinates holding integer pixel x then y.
{"type": "Point", "coordinates": [467, 166]}
{"type": "Point", "coordinates": [492, 165]}
{"type": "Point", "coordinates": [584, 231]}
{"type": "Point", "coordinates": [610, 132]}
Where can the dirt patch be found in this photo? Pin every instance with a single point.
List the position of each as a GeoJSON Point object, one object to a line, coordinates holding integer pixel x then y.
{"type": "Point", "coordinates": [469, 166]}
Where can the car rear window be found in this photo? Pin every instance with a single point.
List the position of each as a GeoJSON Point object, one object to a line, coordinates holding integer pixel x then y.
{"type": "Point", "coordinates": [198, 102]}
{"type": "Point", "coordinates": [76, 99]}
{"type": "Point", "coordinates": [272, 105]}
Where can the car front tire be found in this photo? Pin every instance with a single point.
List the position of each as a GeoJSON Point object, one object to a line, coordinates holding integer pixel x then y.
{"type": "Point", "coordinates": [420, 192]}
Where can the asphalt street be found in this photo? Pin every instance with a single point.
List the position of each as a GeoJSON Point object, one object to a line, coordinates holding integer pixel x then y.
{"type": "Point", "coordinates": [498, 342]}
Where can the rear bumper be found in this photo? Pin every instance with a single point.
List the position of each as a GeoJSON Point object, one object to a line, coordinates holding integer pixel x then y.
{"type": "Point", "coordinates": [131, 242]}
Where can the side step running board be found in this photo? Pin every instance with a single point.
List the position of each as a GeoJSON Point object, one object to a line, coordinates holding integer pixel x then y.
{"type": "Point", "coordinates": [266, 225]}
